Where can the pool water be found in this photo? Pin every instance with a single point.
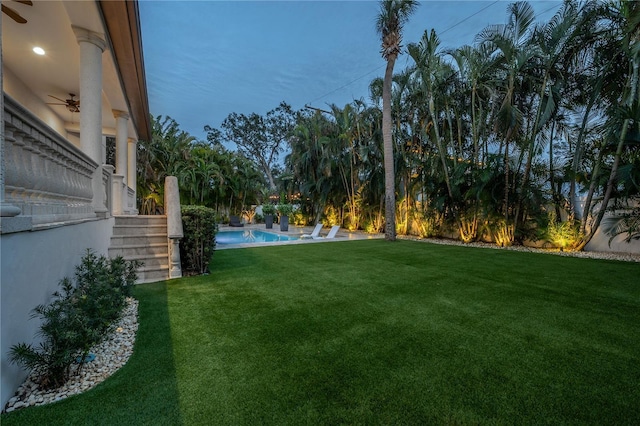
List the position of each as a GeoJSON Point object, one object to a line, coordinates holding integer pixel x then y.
{"type": "Point", "coordinates": [250, 236]}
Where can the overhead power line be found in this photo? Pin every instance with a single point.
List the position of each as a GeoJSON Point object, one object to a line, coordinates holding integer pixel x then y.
{"type": "Point", "coordinates": [384, 65]}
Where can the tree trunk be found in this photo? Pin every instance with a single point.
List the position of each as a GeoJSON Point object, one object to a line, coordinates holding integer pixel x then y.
{"type": "Point", "coordinates": [387, 135]}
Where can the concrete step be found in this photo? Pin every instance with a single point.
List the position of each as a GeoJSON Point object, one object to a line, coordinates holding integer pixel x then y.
{"type": "Point", "coordinates": [127, 240]}
{"type": "Point", "coordinates": [150, 261]}
{"type": "Point", "coordinates": [127, 251]}
{"type": "Point", "coordinates": [140, 220]}
{"type": "Point", "coordinates": [142, 238]}
{"type": "Point", "coordinates": [153, 275]}
{"type": "Point", "coordinates": [124, 230]}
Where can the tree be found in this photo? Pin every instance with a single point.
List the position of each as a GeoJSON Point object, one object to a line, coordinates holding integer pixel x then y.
{"type": "Point", "coordinates": [391, 19]}
{"type": "Point", "coordinates": [259, 138]}
{"type": "Point", "coordinates": [166, 154]}
{"type": "Point", "coordinates": [622, 37]}
{"type": "Point", "coordinates": [512, 42]}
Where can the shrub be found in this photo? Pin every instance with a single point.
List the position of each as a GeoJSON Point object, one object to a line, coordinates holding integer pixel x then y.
{"type": "Point", "coordinates": [565, 235]}
{"type": "Point", "coordinates": [298, 218]}
{"type": "Point", "coordinates": [285, 209]}
{"type": "Point", "coordinates": [78, 318]}
{"type": "Point", "coordinates": [197, 245]}
{"type": "Point", "coordinates": [268, 209]}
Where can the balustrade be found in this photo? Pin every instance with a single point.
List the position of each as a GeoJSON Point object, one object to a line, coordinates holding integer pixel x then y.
{"type": "Point", "coordinates": [46, 176]}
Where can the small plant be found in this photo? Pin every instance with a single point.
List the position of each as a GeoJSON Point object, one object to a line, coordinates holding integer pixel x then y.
{"type": "Point", "coordinates": [78, 318]}
{"type": "Point", "coordinates": [249, 214]}
{"type": "Point", "coordinates": [565, 235]}
{"type": "Point", "coordinates": [298, 218]}
{"type": "Point", "coordinates": [268, 209]}
{"type": "Point", "coordinates": [197, 245]}
{"type": "Point", "coordinates": [285, 209]}
{"type": "Point", "coordinates": [503, 233]}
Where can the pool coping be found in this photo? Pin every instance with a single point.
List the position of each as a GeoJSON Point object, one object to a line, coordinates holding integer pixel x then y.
{"type": "Point", "coordinates": [294, 231]}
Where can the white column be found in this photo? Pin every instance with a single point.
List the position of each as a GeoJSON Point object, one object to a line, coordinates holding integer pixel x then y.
{"type": "Point", "coordinates": [122, 119]}
{"type": "Point", "coordinates": [132, 146]}
{"type": "Point", "coordinates": [91, 48]}
{"type": "Point", "coordinates": [133, 161]}
{"type": "Point", "coordinates": [104, 150]}
{"type": "Point", "coordinates": [120, 178]}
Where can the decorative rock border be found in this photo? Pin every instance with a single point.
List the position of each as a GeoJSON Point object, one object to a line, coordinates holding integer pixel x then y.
{"type": "Point", "coordinates": [625, 257]}
{"type": "Point", "coordinates": [111, 354]}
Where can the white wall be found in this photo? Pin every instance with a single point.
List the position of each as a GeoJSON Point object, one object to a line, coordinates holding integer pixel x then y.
{"type": "Point", "coordinates": [31, 266]}
{"type": "Point", "coordinates": [600, 242]}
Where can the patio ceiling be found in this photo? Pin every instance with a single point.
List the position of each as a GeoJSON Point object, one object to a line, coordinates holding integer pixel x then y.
{"type": "Point", "coordinates": [49, 26]}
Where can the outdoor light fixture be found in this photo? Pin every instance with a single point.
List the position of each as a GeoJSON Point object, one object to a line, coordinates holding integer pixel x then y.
{"type": "Point", "coordinates": [38, 50]}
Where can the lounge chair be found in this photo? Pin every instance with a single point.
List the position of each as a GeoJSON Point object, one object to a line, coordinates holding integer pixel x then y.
{"type": "Point", "coordinates": [315, 233]}
{"type": "Point", "coordinates": [332, 233]}
{"type": "Point", "coordinates": [235, 221]}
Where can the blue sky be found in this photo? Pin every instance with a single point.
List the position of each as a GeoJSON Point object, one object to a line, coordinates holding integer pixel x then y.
{"type": "Point", "coordinates": [207, 59]}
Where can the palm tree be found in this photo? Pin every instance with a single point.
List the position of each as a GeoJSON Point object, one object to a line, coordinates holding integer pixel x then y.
{"type": "Point", "coordinates": [512, 43]}
{"type": "Point", "coordinates": [622, 38]}
{"type": "Point", "coordinates": [391, 19]}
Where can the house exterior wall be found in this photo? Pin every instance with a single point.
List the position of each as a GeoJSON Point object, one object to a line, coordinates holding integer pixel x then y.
{"type": "Point", "coordinates": [56, 193]}
{"type": "Point", "coordinates": [31, 266]}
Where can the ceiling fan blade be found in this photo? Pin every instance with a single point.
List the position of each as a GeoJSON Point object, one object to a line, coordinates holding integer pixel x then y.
{"type": "Point", "coordinates": [13, 15]}
{"type": "Point", "coordinates": [55, 97]}
{"type": "Point", "coordinates": [27, 2]}
{"type": "Point", "coordinates": [53, 103]}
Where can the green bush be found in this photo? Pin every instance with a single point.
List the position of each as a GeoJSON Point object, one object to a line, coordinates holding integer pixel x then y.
{"type": "Point", "coordinates": [285, 209]}
{"type": "Point", "coordinates": [78, 318]}
{"type": "Point", "coordinates": [268, 209]}
{"type": "Point", "coordinates": [564, 235]}
{"type": "Point", "coordinates": [197, 245]}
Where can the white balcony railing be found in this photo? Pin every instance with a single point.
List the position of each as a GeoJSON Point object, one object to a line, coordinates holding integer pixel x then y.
{"type": "Point", "coordinates": [46, 176]}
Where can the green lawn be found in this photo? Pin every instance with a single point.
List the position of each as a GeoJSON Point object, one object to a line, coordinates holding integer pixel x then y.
{"type": "Point", "coordinates": [370, 332]}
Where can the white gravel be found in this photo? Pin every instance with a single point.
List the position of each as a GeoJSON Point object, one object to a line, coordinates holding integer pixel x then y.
{"type": "Point", "coordinates": [111, 354]}
{"type": "Point", "coordinates": [625, 257]}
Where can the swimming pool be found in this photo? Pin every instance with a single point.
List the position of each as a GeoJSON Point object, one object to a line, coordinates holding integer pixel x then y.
{"type": "Point", "coordinates": [250, 236]}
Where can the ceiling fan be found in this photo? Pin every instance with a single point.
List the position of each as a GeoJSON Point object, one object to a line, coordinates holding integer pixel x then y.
{"type": "Point", "coordinates": [72, 104]}
{"type": "Point", "coordinates": [15, 15]}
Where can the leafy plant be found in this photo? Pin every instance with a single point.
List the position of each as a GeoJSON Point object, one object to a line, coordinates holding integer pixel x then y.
{"type": "Point", "coordinates": [197, 245]}
{"type": "Point", "coordinates": [285, 209]}
{"type": "Point", "coordinates": [78, 318]}
{"type": "Point", "coordinates": [565, 235]}
{"type": "Point", "coordinates": [268, 209]}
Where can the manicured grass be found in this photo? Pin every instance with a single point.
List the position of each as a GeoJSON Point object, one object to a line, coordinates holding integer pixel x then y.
{"type": "Point", "coordinates": [370, 332]}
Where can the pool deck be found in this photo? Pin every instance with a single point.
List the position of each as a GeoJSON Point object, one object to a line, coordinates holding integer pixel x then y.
{"type": "Point", "coordinates": [343, 235]}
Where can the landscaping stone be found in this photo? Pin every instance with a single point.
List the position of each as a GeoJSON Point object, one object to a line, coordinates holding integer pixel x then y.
{"type": "Point", "coordinates": [625, 257]}
{"type": "Point", "coordinates": [111, 354]}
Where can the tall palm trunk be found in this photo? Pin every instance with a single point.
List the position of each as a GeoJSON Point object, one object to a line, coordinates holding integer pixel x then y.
{"type": "Point", "coordinates": [630, 101]}
{"type": "Point", "coordinates": [389, 172]}
{"type": "Point", "coordinates": [524, 187]}
{"type": "Point", "coordinates": [441, 149]}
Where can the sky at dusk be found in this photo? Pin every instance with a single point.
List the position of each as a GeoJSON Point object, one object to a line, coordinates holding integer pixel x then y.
{"type": "Point", "coordinates": [207, 59]}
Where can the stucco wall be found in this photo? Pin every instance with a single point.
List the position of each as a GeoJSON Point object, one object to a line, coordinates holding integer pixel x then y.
{"type": "Point", "coordinates": [600, 242]}
{"type": "Point", "coordinates": [31, 266]}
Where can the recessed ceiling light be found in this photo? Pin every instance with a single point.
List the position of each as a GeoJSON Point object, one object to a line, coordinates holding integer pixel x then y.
{"type": "Point", "coordinates": [38, 50]}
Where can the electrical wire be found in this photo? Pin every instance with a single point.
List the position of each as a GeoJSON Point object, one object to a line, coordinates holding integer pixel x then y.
{"type": "Point", "coordinates": [442, 32]}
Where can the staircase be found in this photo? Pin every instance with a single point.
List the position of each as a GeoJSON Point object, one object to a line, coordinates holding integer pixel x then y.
{"type": "Point", "coordinates": [142, 238]}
